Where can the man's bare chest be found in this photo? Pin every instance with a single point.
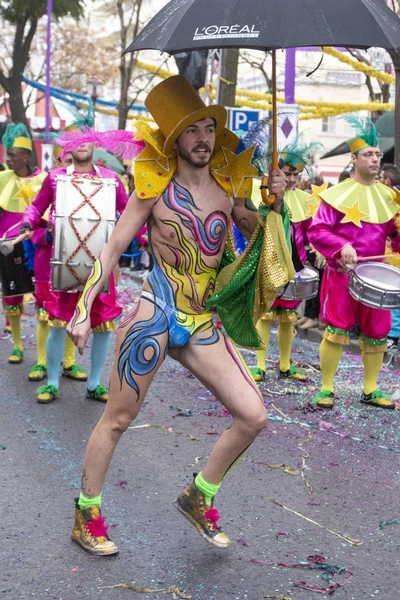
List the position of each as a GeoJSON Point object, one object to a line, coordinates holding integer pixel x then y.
{"type": "Point", "coordinates": [178, 214]}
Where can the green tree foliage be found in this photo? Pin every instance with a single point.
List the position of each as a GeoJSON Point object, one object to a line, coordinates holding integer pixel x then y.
{"type": "Point", "coordinates": [17, 10]}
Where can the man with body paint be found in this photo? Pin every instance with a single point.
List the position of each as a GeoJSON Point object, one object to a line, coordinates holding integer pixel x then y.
{"type": "Point", "coordinates": [189, 182]}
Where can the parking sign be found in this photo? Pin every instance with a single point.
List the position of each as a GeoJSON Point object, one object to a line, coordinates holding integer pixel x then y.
{"type": "Point", "coordinates": [242, 118]}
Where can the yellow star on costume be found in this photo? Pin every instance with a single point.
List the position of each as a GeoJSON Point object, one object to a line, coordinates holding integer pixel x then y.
{"type": "Point", "coordinates": [314, 199]}
{"type": "Point", "coordinates": [237, 169]}
{"type": "Point", "coordinates": [353, 215]}
{"type": "Point", "coordinates": [26, 192]}
{"type": "Point", "coordinates": [150, 153]}
{"type": "Point", "coordinates": [312, 206]}
{"type": "Point", "coordinates": [396, 199]}
{"type": "Point", "coordinates": [317, 190]}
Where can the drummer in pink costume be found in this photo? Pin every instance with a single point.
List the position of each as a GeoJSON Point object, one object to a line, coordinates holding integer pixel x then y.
{"type": "Point", "coordinates": [61, 305]}
{"type": "Point", "coordinates": [355, 218]}
{"type": "Point", "coordinates": [292, 162]}
{"type": "Point", "coordinates": [42, 240]}
{"type": "Point", "coordinates": [18, 187]}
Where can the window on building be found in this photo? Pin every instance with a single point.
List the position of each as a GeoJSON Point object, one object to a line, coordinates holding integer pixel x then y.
{"type": "Point", "coordinates": [328, 125]}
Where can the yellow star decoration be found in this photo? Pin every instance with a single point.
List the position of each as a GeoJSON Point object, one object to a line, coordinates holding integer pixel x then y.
{"type": "Point", "coordinates": [317, 190]}
{"type": "Point", "coordinates": [353, 214]}
{"type": "Point", "coordinates": [314, 199]}
{"type": "Point", "coordinates": [396, 199]}
{"type": "Point", "coordinates": [151, 153]}
{"type": "Point", "coordinates": [26, 191]}
{"type": "Point", "coordinates": [237, 169]}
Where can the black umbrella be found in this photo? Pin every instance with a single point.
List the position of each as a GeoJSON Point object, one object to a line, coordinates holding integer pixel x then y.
{"type": "Point", "coordinates": [184, 25]}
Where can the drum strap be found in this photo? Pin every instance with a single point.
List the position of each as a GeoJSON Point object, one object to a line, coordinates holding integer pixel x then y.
{"type": "Point", "coordinates": [71, 169]}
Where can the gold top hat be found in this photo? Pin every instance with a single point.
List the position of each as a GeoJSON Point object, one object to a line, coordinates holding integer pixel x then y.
{"type": "Point", "coordinates": [175, 104]}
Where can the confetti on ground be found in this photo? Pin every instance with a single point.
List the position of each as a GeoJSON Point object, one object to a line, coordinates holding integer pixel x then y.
{"type": "Point", "coordinates": [343, 537]}
{"type": "Point", "coordinates": [314, 563]}
{"type": "Point", "coordinates": [176, 592]}
{"type": "Point", "coordinates": [382, 524]}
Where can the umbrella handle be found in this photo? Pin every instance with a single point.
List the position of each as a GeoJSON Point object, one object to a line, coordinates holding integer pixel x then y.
{"type": "Point", "coordinates": [267, 198]}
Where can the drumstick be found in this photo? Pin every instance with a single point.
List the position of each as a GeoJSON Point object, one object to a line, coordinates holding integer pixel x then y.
{"type": "Point", "coordinates": [362, 258]}
{"type": "Point", "coordinates": [7, 247]}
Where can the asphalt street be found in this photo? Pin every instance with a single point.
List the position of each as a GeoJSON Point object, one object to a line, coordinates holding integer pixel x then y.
{"type": "Point", "coordinates": [334, 475]}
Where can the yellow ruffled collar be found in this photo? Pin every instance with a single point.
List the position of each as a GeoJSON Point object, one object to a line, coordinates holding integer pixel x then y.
{"type": "Point", "coordinates": [374, 203]}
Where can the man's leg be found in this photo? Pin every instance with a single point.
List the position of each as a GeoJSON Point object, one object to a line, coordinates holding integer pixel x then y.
{"type": "Point", "coordinates": [220, 367]}
{"type": "Point", "coordinates": [287, 315]}
{"type": "Point", "coordinates": [54, 352]}
{"type": "Point", "coordinates": [263, 329]}
{"type": "Point", "coordinates": [70, 368]}
{"type": "Point", "coordinates": [337, 311]}
{"type": "Point", "coordinates": [98, 356]}
{"type": "Point", "coordinates": [39, 371]}
{"type": "Point", "coordinates": [140, 350]}
{"type": "Point", "coordinates": [375, 325]}
{"type": "Point", "coordinates": [13, 309]}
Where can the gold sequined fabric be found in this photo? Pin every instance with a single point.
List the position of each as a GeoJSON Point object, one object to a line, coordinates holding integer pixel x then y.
{"type": "Point", "coordinates": [336, 338]}
{"type": "Point", "coordinates": [104, 327]}
{"type": "Point", "coordinates": [247, 288]}
{"type": "Point", "coordinates": [372, 348]}
{"type": "Point", "coordinates": [13, 311]}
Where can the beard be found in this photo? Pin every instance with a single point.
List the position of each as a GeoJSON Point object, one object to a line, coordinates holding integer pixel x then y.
{"type": "Point", "coordinates": [204, 161]}
{"type": "Point", "coordinates": [78, 158]}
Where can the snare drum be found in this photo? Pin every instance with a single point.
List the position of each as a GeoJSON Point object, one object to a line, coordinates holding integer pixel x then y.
{"type": "Point", "coordinates": [84, 219]}
{"type": "Point", "coordinates": [15, 278]}
{"type": "Point", "coordinates": [303, 287]}
{"type": "Point", "coordinates": [375, 284]}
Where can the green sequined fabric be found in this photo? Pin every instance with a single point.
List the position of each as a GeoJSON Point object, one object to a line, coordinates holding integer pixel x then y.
{"type": "Point", "coordinates": [247, 286]}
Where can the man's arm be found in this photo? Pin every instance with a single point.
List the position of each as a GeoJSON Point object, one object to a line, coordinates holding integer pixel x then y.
{"type": "Point", "coordinates": [244, 212]}
{"type": "Point", "coordinates": [132, 220]}
{"type": "Point", "coordinates": [35, 211]}
{"type": "Point", "coordinates": [322, 235]}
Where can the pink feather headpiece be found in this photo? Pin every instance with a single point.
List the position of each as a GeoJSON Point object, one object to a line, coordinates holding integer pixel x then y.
{"type": "Point", "coordinates": [118, 142]}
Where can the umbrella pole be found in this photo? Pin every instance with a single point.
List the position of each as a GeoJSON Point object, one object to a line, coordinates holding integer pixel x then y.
{"type": "Point", "coordinates": [270, 199]}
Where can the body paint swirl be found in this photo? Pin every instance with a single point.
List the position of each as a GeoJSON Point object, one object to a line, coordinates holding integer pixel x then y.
{"type": "Point", "coordinates": [139, 338]}
{"type": "Point", "coordinates": [210, 235]}
{"type": "Point", "coordinates": [81, 312]}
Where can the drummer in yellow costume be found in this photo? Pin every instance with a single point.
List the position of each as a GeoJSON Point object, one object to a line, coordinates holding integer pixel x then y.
{"type": "Point", "coordinates": [355, 218]}
{"type": "Point", "coordinates": [18, 187]}
{"type": "Point", "coordinates": [191, 182]}
{"type": "Point", "coordinates": [302, 207]}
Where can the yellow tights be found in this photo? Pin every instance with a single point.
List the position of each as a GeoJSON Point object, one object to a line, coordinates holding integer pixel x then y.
{"type": "Point", "coordinates": [15, 324]}
{"type": "Point", "coordinates": [330, 355]}
{"type": "Point", "coordinates": [372, 365]}
{"type": "Point", "coordinates": [285, 340]}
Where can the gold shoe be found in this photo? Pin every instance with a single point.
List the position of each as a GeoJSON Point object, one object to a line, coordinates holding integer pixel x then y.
{"type": "Point", "coordinates": [37, 372]}
{"type": "Point", "coordinates": [75, 372]}
{"type": "Point", "coordinates": [192, 504]}
{"type": "Point", "coordinates": [324, 398]}
{"type": "Point", "coordinates": [16, 356]}
{"type": "Point", "coordinates": [90, 531]}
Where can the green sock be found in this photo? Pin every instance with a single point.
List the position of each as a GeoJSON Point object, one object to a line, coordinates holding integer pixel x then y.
{"type": "Point", "coordinates": [208, 489]}
{"type": "Point", "coordinates": [87, 502]}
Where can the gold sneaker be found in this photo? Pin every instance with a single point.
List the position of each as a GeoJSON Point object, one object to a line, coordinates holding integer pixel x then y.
{"type": "Point", "coordinates": [90, 531]}
{"type": "Point", "coordinates": [192, 504]}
